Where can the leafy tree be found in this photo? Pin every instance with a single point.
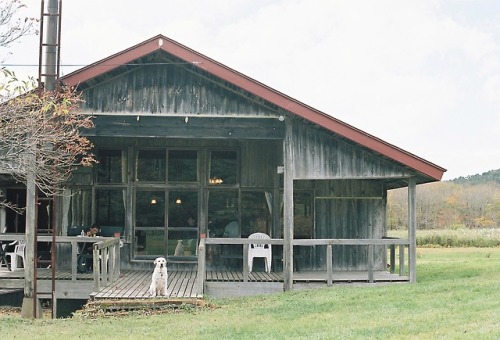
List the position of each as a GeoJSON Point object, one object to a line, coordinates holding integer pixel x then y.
{"type": "Point", "coordinates": [453, 204]}
{"type": "Point", "coordinates": [41, 133]}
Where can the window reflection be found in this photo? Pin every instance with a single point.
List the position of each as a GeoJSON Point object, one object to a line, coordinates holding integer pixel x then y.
{"type": "Point", "coordinates": [150, 209]}
{"type": "Point", "coordinates": [183, 209]}
{"type": "Point", "coordinates": [151, 165]}
{"type": "Point", "coordinates": [149, 242]}
{"type": "Point", "coordinates": [110, 207]}
{"type": "Point", "coordinates": [183, 166]}
{"type": "Point", "coordinates": [223, 167]}
{"type": "Point", "coordinates": [79, 207]}
{"type": "Point", "coordinates": [255, 212]}
{"type": "Point", "coordinates": [109, 166]}
{"type": "Point", "coordinates": [182, 223]}
{"type": "Point", "coordinates": [223, 214]}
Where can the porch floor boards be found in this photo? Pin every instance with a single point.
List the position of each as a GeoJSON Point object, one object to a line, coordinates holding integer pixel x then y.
{"type": "Point", "coordinates": [134, 284]}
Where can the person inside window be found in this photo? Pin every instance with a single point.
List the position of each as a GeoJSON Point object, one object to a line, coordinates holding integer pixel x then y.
{"type": "Point", "coordinates": [232, 230]}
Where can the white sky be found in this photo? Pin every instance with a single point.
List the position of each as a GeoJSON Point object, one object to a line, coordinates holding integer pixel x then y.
{"type": "Point", "coordinates": [423, 75]}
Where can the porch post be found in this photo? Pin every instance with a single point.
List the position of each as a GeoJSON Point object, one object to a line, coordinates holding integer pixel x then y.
{"type": "Point", "coordinates": [288, 208]}
{"type": "Point", "coordinates": [412, 229]}
{"type": "Point", "coordinates": [29, 300]}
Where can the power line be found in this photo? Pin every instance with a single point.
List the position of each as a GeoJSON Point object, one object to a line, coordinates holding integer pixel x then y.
{"type": "Point", "coordinates": [126, 64]}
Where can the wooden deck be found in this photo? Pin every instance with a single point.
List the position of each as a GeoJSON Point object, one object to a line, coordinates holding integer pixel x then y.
{"type": "Point", "coordinates": [135, 285]}
{"type": "Point", "coordinates": [182, 284]}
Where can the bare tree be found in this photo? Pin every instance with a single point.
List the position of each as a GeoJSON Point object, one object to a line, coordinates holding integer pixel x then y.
{"type": "Point", "coordinates": [12, 26]}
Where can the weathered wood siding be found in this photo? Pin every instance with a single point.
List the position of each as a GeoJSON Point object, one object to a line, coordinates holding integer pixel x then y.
{"type": "Point", "coordinates": [348, 209]}
{"type": "Point", "coordinates": [168, 87]}
{"type": "Point", "coordinates": [259, 163]}
{"type": "Point", "coordinates": [345, 209]}
{"type": "Point", "coordinates": [318, 155]}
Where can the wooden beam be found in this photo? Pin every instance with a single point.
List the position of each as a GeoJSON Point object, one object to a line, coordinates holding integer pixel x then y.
{"type": "Point", "coordinates": [329, 265]}
{"type": "Point", "coordinates": [183, 126]}
{"type": "Point", "coordinates": [200, 277]}
{"type": "Point", "coordinates": [28, 308]}
{"type": "Point", "coordinates": [288, 207]}
{"type": "Point", "coordinates": [412, 229]}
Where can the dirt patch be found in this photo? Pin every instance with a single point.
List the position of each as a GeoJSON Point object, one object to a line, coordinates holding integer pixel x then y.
{"type": "Point", "coordinates": [122, 307]}
{"type": "Point", "coordinates": [16, 312]}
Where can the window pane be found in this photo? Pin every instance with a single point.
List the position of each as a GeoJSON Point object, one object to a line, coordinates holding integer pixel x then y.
{"type": "Point", "coordinates": [223, 167]}
{"type": "Point", "coordinates": [151, 165]}
{"type": "Point", "coordinates": [223, 214]}
{"type": "Point", "coordinates": [255, 212]}
{"type": "Point", "coordinates": [149, 242]}
{"type": "Point", "coordinates": [182, 242]}
{"type": "Point", "coordinates": [110, 207]}
{"type": "Point", "coordinates": [303, 216]}
{"type": "Point", "coordinates": [183, 209]}
{"type": "Point", "coordinates": [183, 166]}
{"type": "Point", "coordinates": [109, 166]}
{"type": "Point", "coordinates": [150, 209]}
{"type": "Point", "coordinates": [80, 207]}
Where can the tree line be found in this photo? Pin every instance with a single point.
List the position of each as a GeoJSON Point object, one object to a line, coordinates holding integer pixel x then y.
{"type": "Point", "coordinates": [465, 202]}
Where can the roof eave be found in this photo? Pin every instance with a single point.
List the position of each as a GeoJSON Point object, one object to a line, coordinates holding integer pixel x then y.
{"type": "Point", "coordinates": [279, 99]}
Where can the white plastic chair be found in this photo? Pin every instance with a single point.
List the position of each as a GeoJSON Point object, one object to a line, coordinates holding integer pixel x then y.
{"type": "Point", "coordinates": [259, 250]}
{"type": "Point", "coordinates": [3, 259]}
{"type": "Point", "coordinates": [18, 252]}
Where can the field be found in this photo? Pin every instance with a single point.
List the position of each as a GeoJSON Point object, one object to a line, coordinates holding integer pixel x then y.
{"type": "Point", "coordinates": [456, 296]}
{"type": "Point", "coordinates": [480, 237]}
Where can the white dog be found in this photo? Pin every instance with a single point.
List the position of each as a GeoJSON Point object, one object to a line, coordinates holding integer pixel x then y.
{"type": "Point", "coordinates": [179, 249]}
{"type": "Point", "coordinates": [158, 285]}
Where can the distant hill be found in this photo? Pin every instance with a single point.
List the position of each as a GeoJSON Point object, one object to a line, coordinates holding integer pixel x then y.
{"type": "Point", "coordinates": [486, 177]}
{"type": "Point", "coordinates": [465, 202]}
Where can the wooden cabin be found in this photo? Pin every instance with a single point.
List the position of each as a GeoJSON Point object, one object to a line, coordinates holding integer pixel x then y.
{"type": "Point", "coordinates": [194, 156]}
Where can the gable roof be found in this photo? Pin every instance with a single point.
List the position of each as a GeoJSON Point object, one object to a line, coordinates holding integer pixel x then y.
{"type": "Point", "coordinates": [160, 42]}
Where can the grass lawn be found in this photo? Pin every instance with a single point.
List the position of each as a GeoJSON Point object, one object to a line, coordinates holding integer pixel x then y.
{"type": "Point", "coordinates": [457, 295]}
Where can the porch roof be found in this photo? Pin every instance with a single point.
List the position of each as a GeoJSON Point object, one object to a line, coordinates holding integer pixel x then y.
{"type": "Point", "coordinates": [432, 171]}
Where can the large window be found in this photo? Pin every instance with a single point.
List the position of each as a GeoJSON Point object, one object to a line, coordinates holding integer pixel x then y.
{"type": "Point", "coordinates": [110, 166]}
{"type": "Point", "coordinates": [223, 168]}
{"type": "Point", "coordinates": [77, 208]}
{"type": "Point", "coordinates": [182, 166]}
{"type": "Point", "coordinates": [151, 165]}
{"type": "Point", "coordinates": [223, 214]}
{"type": "Point", "coordinates": [110, 207]}
{"type": "Point", "coordinates": [182, 223]}
{"type": "Point", "coordinates": [150, 209]}
{"type": "Point", "coordinates": [255, 212]}
{"type": "Point", "coordinates": [150, 222]}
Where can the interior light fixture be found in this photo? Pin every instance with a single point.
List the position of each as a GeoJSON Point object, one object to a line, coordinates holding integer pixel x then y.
{"type": "Point", "coordinates": [178, 200]}
{"type": "Point", "coordinates": [153, 201]}
{"type": "Point", "coordinates": [215, 180]}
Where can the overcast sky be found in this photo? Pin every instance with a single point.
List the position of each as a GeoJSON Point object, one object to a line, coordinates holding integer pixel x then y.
{"type": "Point", "coordinates": [423, 75]}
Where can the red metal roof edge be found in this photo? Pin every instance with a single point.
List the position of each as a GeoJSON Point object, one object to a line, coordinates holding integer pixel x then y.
{"type": "Point", "coordinates": [287, 103]}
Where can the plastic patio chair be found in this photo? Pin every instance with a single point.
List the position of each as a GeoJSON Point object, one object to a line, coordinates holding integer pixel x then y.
{"type": "Point", "coordinates": [18, 252]}
{"type": "Point", "coordinates": [259, 250]}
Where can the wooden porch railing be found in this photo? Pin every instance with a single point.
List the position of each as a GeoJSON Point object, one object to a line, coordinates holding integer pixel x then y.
{"type": "Point", "coordinates": [329, 243]}
{"type": "Point", "coordinates": [106, 255]}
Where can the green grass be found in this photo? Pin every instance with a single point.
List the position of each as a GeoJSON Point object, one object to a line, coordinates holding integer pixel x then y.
{"type": "Point", "coordinates": [456, 296]}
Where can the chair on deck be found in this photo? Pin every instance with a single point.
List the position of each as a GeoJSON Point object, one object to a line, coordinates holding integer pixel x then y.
{"type": "Point", "coordinates": [259, 250]}
{"type": "Point", "coordinates": [18, 252]}
{"type": "Point", "coordinates": [3, 247]}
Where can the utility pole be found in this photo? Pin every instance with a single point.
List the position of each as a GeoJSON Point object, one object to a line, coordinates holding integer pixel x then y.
{"type": "Point", "coordinates": [32, 307]}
